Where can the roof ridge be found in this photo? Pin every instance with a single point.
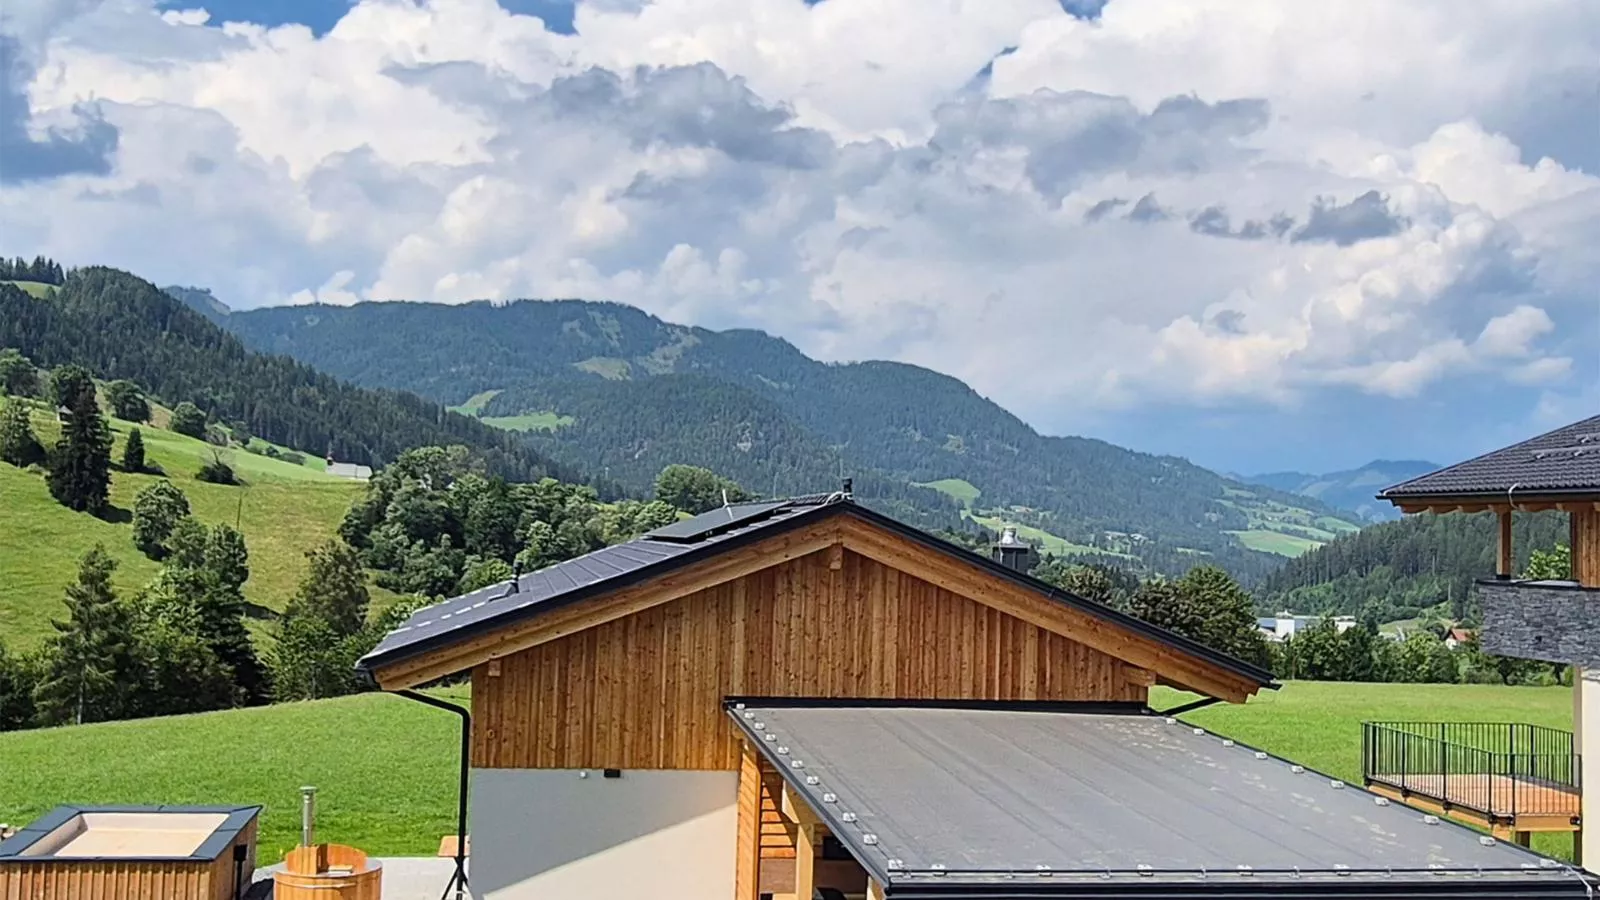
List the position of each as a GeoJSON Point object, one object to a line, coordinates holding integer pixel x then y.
{"type": "Point", "coordinates": [1487, 454]}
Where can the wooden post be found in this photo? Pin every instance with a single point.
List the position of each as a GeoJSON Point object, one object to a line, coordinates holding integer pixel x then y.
{"type": "Point", "coordinates": [805, 862]}
{"type": "Point", "coordinates": [874, 890]}
{"type": "Point", "coordinates": [1507, 552]}
{"type": "Point", "coordinates": [747, 865]}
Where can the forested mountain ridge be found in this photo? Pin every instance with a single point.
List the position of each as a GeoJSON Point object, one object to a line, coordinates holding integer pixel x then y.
{"type": "Point", "coordinates": [909, 424]}
{"type": "Point", "coordinates": [120, 326]}
{"type": "Point", "coordinates": [1395, 570]}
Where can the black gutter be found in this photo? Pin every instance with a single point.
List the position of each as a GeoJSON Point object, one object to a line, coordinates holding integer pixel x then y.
{"type": "Point", "coordinates": [459, 879]}
{"type": "Point", "coordinates": [1081, 707]}
{"type": "Point", "coordinates": [1523, 494]}
{"type": "Point", "coordinates": [1230, 886]}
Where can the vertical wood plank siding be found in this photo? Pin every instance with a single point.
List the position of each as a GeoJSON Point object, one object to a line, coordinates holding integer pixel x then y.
{"type": "Point", "coordinates": [645, 691]}
{"type": "Point", "coordinates": [1586, 547]}
{"type": "Point", "coordinates": [109, 880]}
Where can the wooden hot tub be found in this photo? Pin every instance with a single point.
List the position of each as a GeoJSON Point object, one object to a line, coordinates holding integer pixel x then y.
{"type": "Point", "coordinates": [172, 852]}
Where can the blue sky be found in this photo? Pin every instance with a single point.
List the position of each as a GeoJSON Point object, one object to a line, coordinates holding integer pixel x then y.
{"type": "Point", "coordinates": [1204, 227]}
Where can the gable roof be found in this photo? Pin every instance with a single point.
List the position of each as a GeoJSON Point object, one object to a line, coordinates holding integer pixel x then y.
{"type": "Point", "coordinates": [1563, 461]}
{"type": "Point", "coordinates": [612, 568]}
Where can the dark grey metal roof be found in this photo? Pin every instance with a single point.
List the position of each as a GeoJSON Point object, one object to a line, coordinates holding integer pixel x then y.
{"type": "Point", "coordinates": [605, 569]}
{"type": "Point", "coordinates": [980, 802]}
{"type": "Point", "coordinates": [1563, 461]}
{"type": "Point", "coordinates": [622, 564]}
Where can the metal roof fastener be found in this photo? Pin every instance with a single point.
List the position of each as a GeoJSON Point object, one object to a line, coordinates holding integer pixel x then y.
{"type": "Point", "coordinates": [1548, 863]}
{"type": "Point", "coordinates": [1341, 869]}
{"type": "Point", "coordinates": [1430, 819]}
{"type": "Point", "coordinates": [769, 736]}
{"type": "Point", "coordinates": [1199, 731]}
{"type": "Point", "coordinates": [847, 817]}
{"type": "Point", "coordinates": [1145, 870]}
{"type": "Point", "coordinates": [1227, 743]}
{"type": "Point", "coordinates": [936, 868]}
{"type": "Point", "coordinates": [895, 864]}
{"type": "Point", "coordinates": [749, 714]}
{"type": "Point", "coordinates": [1043, 870]}
{"type": "Point", "coordinates": [1246, 870]}
{"type": "Point", "coordinates": [830, 797]}
{"type": "Point", "coordinates": [760, 726]}
{"type": "Point", "coordinates": [1381, 801]}
{"type": "Point", "coordinates": [1336, 784]}
{"type": "Point", "coordinates": [813, 780]}
{"type": "Point", "coordinates": [739, 706]}
{"type": "Point", "coordinates": [1171, 721]}
{"type": "Point", "coordinates": [869, 839]}
{"type": "Point", "coordinates": [1297, 769]}
{"type": "Point", "coordinates": [1261, 754]}
{"type": "Point", "coordinates": [797, 764]}
{"type": "Point", "coordinates": [783, 750]}
{"type": "Point", "coordinates": [1487, 841]}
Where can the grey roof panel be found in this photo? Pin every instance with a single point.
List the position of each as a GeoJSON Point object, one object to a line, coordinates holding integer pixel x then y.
{"type": "Point", "coordinates": [1561, 461]}
{"type": "Point", "coordinates": [980, 796]}
{"type": "Point", "coordinates": [716, 520]}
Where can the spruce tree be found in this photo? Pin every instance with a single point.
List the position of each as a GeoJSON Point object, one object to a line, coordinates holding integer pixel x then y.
{"type": "Point", "coordinates": [80, 466]}
{"type": "Point", "coordinates": [68, 384]}
{"type": "Point", "coordinates": [133, 452]}
{"type": "Point", "coordinates": [91, 662]}
{"type": "Point", "coordinates": [18, 446]}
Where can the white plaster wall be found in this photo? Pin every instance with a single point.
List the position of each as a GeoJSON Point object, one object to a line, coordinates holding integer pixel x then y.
{"type": "Point", "coordinates": [1586, 740]}
{"type": "Point", "coordinates": [549, 834]}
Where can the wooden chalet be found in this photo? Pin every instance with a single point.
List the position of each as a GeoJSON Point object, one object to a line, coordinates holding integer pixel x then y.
{"type": "Point", "coordinates": [778, 698]}
{"type": "Point", "coordinates": [1550, 620]}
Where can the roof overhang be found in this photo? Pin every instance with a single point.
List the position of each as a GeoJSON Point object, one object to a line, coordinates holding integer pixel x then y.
{"type": "Point", "coordinates": [1584, 500]}
{"type": "Point", "coordinates": [1167, 658]}
{"type": "Point", "coordinates": [1004, 802]}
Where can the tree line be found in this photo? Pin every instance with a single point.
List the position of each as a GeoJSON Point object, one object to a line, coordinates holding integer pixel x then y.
{"type": "Point", "coordinates": [40, 269]}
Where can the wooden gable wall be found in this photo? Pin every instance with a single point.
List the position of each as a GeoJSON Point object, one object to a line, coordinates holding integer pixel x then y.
{"type": "Point", "coordinates": [645, 691]}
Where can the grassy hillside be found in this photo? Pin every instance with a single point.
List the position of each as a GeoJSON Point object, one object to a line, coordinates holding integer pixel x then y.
{"type": "Point", "coordinates": [386, 766]}
{"type": "Point", "coordinates": [283, 510]}
{"type": "Point", "coordinates": [33, 288]}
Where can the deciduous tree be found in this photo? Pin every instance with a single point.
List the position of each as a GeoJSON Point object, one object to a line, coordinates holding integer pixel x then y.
{"type": "Point", "coordinates": [188, 419]}
{"type": "Point", "coordinates": [127, 401]}
{"type": "Point", "coordinates": [18, 377]}
{"type": "Point", "coordinates": [68, 384]}
{"type": "Point", "coordinates": [18, 445]}
{"type": "Point", "coordinates": [157, 510]}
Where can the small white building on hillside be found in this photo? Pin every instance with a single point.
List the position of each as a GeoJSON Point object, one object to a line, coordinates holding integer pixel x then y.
{"type": "Point", "coordinates": [1285, 625]}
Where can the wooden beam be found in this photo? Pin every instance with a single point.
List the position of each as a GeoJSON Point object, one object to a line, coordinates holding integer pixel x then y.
{"type": "Point", "coordinates": [1136, 675]}
{"type": "Point", "coordinates": [805, 862]}
{"type": "Point", "coordinates": [874, 889]}
{"type": "Point", "coordinates": [566, 620]}
{"type": "Point", "coordinates": [795, 809]}
{"type": "Point", "coordinates": [747, 865]}
{"type": "Point", "coordinates": [836, 557]}
{"type": "Point", "coordinates": [1507, 551]}
{"type": "Point", "coordinates": [1174, 666]}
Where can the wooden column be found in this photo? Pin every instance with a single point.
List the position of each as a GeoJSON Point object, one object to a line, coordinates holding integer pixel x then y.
{"type": "Point", "coordinates": [1585, 544]}
{"type": "Point", "coordinates": [874, 890]}
{"type": "Point", "coordinates": [747, 866]}
{"type": "Point", "coordinates": [805, 861]}
{"type": "Point", "coordinates": [1508, 556]}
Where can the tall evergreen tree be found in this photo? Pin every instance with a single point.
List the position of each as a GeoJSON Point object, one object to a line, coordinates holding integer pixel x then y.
{"type": "Point", "coordinates": [80, 466]}
{"type": "Point", "coordinates": [91, 662]}
{"type": "Point", "coordinates": [18, 677]}
{"type": "Point", "coordinates": [18, 445]}
{"type": "Point", "coordinates": [133, 452]}
{"type": "Point", "coordinates": [1228, 620]}
{"type": "Point", "coordinates": [334, 589]}
{"type": "Point", "coordinates": [203, 579]}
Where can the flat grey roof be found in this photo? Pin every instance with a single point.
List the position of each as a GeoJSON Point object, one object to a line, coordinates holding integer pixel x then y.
{"type": "Point", "coordinates": [940, 801]}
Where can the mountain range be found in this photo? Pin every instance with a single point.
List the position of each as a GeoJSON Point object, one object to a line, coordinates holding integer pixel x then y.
{"type": "Point", "coordinates": [620, 393]}
{"type": "Point", "coordinates": [1352, 489]}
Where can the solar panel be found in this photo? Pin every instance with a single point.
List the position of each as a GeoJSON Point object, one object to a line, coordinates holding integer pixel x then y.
{"type": "Point", "coordinates": [714, 522]}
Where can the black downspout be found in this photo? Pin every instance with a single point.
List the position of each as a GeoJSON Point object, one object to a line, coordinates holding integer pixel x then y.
{"type": "Point", "coordinates": [459, 879]}
{"type": "Point", "coordinates": [1202, 703]}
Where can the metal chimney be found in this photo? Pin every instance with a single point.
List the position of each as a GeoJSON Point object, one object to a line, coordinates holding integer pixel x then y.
{"type": "Point", "coordinates": [1011, 551]}
{"type": "Point", "coordinates": [308, 815]}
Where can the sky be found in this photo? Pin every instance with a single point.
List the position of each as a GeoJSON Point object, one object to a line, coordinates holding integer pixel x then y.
{"type": "Point", "coordinates": [1262, 235]}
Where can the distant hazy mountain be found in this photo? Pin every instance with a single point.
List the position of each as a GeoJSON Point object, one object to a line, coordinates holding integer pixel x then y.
{"type": "Point", "coordinates": [1351, 490]}
{"type": "Point", "coordinates": [201, 300]}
